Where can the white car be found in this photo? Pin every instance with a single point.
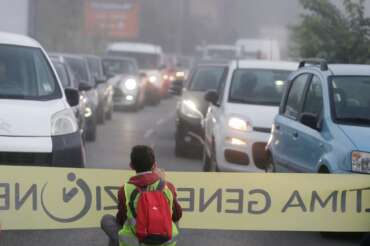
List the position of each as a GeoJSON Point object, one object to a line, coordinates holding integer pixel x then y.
{"type": "Point", "coordinates": [37, 124]}
{"type": "Point", "coordinates": [239, 119]}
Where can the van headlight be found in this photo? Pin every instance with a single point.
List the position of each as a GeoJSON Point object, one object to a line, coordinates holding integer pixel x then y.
{"type": "Point", "coordinates": [63, 123]}
{"type": "Point", "coordinates": [239, 124]}
{"type": "Point", "coordinates": [130, 84]}
{"type": "Point", "coordinates": [360, 162]}
{"type": "Point", "coordinates": [190, 109]}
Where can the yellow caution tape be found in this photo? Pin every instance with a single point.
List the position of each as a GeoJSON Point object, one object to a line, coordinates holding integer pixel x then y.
{"type": "Point", "coordinates": [54, 198]}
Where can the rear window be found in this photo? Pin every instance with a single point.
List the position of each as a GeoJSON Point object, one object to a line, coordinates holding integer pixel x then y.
{"type": "Point", "coordinates": [206, 78]}
{"type": "Point", "coordinates": [79, 69]}
{"type": "Point", "coordinates": [25, 73]}
{"type": "Point", "coordinates": [258, 86]}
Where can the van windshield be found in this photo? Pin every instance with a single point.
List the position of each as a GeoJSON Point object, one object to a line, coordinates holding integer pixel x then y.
{"type": "Point", "coordinates": [113, 67]}
{"type": "Point", "coordinates": [145, 61]}
{"type": "Point", "coordinates": [258, 86]}
{"type": "Point", "coordinates": [26, 74]}
{"type": "Point", "coordinates": [350, 99]}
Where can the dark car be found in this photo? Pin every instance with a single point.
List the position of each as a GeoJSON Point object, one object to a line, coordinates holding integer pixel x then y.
{"type": "Point", "coordinates": [86, 82]}
{"type": "Point", "coordinates": [66, 78]}
{"type": "Point", "coordinates": [105, 90]}
{"type": "Point", "coordinates": [192, 107]}
{"type": "Point", "coordinates": [128, 85]}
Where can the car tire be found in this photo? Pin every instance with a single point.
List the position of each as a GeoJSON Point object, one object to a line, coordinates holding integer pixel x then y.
{"type": "Point", "coordinates": [272, 167]}
{"type": "Point", "coordinates": [179, 148]}
{"type": "Point", "coordinates": [92, 132]}
{"type": "Point", "coordinates": [207, 164]}
{"type": "Point", "coordinates": [101, 116]}
{"type": "Point", "coordinates": [109, 115]}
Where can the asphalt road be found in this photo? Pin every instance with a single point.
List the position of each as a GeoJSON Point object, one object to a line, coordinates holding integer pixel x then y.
{"type": "Point", "coordinates": [155, 126]}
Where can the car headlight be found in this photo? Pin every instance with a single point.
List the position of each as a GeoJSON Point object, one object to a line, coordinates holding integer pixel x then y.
{"type": "Point", "coordinates": [152, 78]}
{"type": "Point", "coordinates": [130, 84]}
{"type": "Point", "coordinates": [239, 124]}
{"type": "Point", "coordinates": [88, 112]}
{"type": "Point", "coordinates": [180, 74]}
{"type": "Point", "coordinates": [360, 162]}
{"type": "Point", "coordinates": [63, 123]}
{"type": "Point", "coordinates": [190, 109]}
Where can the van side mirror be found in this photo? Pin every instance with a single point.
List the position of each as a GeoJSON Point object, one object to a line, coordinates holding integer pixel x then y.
{"type": "Point", "coordinates": [310, 120]}
{"type": "Point", "coordinates": [83, 86]}
{"type": "Point", "coordinates": [72, 96]}
{"type": "Point", "coordinates": [212, 97]}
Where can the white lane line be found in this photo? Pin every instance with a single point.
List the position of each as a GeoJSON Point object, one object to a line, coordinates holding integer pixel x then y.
{"type": "Point", "coordinates": [149, 133]}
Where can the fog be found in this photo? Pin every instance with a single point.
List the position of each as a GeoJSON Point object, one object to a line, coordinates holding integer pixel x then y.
{"type": "Point", "coordinates": [179, 26]}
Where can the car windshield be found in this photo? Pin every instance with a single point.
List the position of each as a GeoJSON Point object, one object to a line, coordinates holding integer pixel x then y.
{"type": "Point", "coordinates": [350, 99]}
{"type": "Point", "coordinates": [26, 74]}
{"type": "Point", "coordinates": [258, 86]}
{"type": "Point", "coordinates": [207, 78]}
{"type": "Point", "coordinates": [62, 73]}
{"type": "Point", "coordinates": [118, 66]}
{"type": "Point", "coordinates": [145, 61]}
{"type": "Point", "coordinates": [79, 69]}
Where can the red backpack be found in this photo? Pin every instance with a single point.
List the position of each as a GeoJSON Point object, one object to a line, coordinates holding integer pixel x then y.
{"type": "Point", "coordinates": [152, 215]}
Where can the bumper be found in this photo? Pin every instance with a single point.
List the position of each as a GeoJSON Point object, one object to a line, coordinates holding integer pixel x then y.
{"type": "Point", "coordinates": [240, 151]}
{"type": "Point", "coordinates": [122, 99]}
{"type": "Point", "coordinates": [190, 132]}
{"type": "Point", "coordinates": [58, 151]}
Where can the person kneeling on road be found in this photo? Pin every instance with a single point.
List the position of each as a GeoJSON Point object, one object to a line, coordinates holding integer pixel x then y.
{"type": "Point", "coordinates": [147, 206]}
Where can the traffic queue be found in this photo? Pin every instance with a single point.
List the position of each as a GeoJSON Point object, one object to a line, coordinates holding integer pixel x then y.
{"type": "Point", "coordinates": [275, 116]}
{"type": "Point", "coordinates": [64, 97]}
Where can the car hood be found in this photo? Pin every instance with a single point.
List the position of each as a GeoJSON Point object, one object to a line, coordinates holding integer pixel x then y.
{"type": "Point", "coordinates": [28, 118]}
{"type": "Point", "coordinates": [198, 98]}
{"type": "Point", "coordinates": [260, 116]}
{"type": "Point", "coordinates": [358, 135]}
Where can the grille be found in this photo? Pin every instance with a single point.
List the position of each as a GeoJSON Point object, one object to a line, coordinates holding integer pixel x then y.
{"type": "Point", "coordinates": [15, 158]}
{"type": "Point", "coordinates": [262, 129]}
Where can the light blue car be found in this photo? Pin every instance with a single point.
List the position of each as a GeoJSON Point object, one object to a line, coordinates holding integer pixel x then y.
{"type": "Point", "coordinates": [324, 121]}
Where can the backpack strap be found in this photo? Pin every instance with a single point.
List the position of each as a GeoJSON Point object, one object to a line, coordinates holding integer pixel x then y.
{"type": "Point", "coordinates": [161, 185]}
{"type": "Point", "coordinates": [131, 203]}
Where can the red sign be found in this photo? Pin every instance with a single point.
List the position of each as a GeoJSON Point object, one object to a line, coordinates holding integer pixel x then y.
{"type": "Point", "coordinates": [112, 18]}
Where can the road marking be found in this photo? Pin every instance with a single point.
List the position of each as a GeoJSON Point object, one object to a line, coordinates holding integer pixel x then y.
{"type": "Point", "coordinates": [149, 133]}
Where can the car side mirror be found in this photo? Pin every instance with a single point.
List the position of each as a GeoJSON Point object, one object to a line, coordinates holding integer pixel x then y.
{"type": "Point", "coordinates": [212, 97]}
{"type": "Point", "coordinates": [310, 120]}
{"type": "Point", "coordinates": [83, 86]}
{"type": "Point", "coordinates": [177, 87]}
{"type": "Point", "coordinates": [72, 96]}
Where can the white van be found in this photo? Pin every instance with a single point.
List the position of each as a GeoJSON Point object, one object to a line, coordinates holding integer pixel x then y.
{"type": "Point", "coordinates": [149, 59]}
{"type": "Point", "coordinates": [239, 120]}
{"type": "Point", "coordinates": [37, 125]}
{"type": "Point", "coordinates": [265, 49]}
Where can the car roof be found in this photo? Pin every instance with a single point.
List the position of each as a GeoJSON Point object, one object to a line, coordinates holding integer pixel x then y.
{"type": "Point", "coordinates": [118, 58]}
{"type": "Point", "coordinates": [265, 64]}
{"type": "Point", "coordinates": [350, 69]}
{"type": "Point", "coordinates": [19, 40]}
{"type": "Point", "coordinates": [221, 47]}
{"type": "Point", "coordinates": [135, 47]}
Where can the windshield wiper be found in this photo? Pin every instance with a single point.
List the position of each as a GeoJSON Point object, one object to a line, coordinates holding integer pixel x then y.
{"type": "Point", "coordinates": [358, 120]}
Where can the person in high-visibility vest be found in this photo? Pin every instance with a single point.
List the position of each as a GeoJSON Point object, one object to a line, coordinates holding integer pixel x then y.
{"type": "Point", "coordinates": [121, 228]}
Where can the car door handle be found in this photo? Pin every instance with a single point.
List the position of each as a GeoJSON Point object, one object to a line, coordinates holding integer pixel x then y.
{"type": "Point", "coordinates": [277, 127]}
{"type": "Point", "coordinates": [295, 135]}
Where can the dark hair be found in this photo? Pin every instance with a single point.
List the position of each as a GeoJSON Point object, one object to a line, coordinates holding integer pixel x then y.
{"type": "Point", "coordinates": [142, 158]}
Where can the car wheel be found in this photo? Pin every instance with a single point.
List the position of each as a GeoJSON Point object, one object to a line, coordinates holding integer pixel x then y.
{"type": "Point", "coordinates": [179, 148]}
{"type": "Point", "coordinates": [101, 116]}
{"type": "Point", "coordinates": [91, 133]}
{"type": "Point", "coordinates": [207, 164]}
{"type": "Point", "coordinates": [110, 113]}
